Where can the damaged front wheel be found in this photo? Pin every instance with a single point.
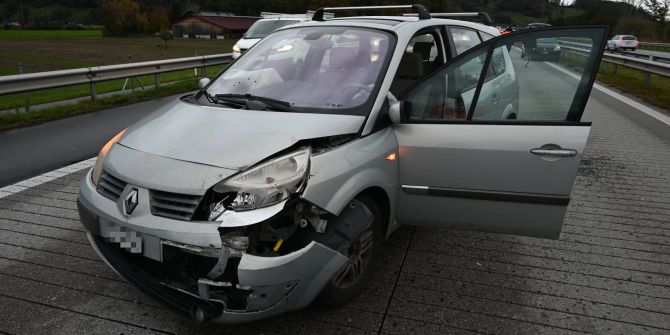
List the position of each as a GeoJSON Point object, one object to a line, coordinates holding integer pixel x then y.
{"type": "Point", "coordinates": [352, 278]}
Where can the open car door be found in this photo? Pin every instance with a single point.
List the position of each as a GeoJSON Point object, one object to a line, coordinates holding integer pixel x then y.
{"type": "Point", "coordinates": [492, 140]}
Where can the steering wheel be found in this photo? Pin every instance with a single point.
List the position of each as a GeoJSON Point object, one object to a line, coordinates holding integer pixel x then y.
{"type": "Point", "coordinates": [356, 91]}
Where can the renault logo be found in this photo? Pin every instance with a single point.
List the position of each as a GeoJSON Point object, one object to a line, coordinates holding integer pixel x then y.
{"type": "Point", "coordinates": [130, 202]}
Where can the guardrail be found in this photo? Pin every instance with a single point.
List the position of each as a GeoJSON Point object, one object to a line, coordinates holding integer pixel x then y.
{"type": "Point", "coordinates": [655, 45]}
{"type": "Point", "coordinates": [91, 75]}
{"type": "Point", "coordinates": [645, 65]}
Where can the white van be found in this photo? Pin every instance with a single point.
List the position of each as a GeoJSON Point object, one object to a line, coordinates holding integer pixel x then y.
{"type": "Point", "coordinates": [264, 27]}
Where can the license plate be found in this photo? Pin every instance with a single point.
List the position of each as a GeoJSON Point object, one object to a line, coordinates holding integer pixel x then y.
{"type": "Point", "coordinates": [127, 239]}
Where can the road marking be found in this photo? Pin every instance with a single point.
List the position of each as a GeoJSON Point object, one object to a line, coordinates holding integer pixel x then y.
{"type": "Point", "coordinates": [45, 177]}
{"type": "Point", "coordinates": [642, 108]}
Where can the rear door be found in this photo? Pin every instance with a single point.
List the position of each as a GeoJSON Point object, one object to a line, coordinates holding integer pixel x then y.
{"type": "Point", "coordinates": [492, 141]}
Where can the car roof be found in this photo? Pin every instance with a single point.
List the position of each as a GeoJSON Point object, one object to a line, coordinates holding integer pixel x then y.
{"type": "Point", "coordinates": [394, 23]}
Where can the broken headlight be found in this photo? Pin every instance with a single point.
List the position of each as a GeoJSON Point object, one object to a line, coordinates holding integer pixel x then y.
{"type": "Point", "coordinates": [267, 183]}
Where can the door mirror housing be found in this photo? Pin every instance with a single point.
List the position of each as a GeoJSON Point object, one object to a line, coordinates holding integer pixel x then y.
{"type": "Point", "coordinates": [203, 82]}
{"type": "Point", "coordinates": [394, 108]}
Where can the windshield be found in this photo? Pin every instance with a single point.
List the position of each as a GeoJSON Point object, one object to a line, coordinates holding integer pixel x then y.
{"type": "Point", "coordinates": [260, 29]}
{"type": "Point", "coordinates": [312, 69]}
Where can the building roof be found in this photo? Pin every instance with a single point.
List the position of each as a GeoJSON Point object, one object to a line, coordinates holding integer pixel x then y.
{"type": "Point", "coordinates": [229, 22]}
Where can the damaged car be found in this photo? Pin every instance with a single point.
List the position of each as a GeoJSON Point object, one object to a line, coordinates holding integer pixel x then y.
{"type": "Point", "coordinates": [277, 182]}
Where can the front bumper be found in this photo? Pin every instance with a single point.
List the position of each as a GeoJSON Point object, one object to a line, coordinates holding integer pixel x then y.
{"type": "Point", "coordinates": [251, 289]}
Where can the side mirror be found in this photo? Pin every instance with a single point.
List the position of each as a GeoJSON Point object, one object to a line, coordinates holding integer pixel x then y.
{"type": "Point", "coordinates": [203, 82]}
{"type": "Point", "coordinates": [394, 108]}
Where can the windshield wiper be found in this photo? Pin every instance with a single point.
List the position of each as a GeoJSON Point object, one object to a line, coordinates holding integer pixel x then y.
{"type": "Point", "coordinates": [268, 102]}
{"type": "Point", "coordinates": [220, 101]}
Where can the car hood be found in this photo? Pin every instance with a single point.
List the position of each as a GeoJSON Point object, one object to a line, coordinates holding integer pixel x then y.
{"type": "Point", "coordinates": [246, 43]}
{"type": "Point", "coordinates": [229, 138]}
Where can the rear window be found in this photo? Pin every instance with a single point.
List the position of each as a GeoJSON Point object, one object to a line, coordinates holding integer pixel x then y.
{"type": "Point", "coordinates": [628, 38]}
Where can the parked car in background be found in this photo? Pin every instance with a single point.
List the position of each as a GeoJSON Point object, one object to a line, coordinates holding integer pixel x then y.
{"type": "Point", "coordinates": [265, 27]}
{"type": "Point", "coordinates": [542, 49]}
{"type": "Point", "coordinates": [538, 25]}
{"type": "Point", "coordinates": [622, 42]}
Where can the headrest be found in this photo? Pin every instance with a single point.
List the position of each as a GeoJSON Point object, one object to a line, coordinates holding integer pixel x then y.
{"type": "Point", "coordinates": [342, 57]}
{"type": "Point", "coordinates": [423, 49]}
{"type": "Point", "coordinates": [411, 66]}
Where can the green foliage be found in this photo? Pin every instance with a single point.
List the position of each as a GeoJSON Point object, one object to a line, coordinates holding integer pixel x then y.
{"type": "Point", "coordinates": [123, 18]}
{"type": "Point", "coordinates": [47, 34]}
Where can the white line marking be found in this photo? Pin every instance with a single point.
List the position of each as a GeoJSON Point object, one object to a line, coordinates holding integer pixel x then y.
{"type": "Point", "coordinates": [642, 108]}
{"type": "Point", "coordinates": [45, 177]}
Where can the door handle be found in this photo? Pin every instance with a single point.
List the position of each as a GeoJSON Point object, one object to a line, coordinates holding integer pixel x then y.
{"type": "Point", "coordinates": [554, 152]}
{"type": "Point", "coordinates": [495, 97]}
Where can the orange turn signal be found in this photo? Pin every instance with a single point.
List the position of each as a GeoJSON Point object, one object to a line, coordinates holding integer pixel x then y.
{"type": "Point", "coordinates": [391, 157]}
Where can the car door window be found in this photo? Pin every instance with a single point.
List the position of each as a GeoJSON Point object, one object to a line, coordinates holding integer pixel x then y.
{"type": "Point", "coordinates": [422, 56]}
{"type": "Point", "coordinates": [545, 85]}
{"type": "Point", "coordinates": [464, 39]}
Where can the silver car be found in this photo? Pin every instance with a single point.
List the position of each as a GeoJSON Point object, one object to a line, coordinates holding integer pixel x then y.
{"type": "Point", "coordinates": [276, 184]}
{"type": "Point", "coordinates": [622, 42]}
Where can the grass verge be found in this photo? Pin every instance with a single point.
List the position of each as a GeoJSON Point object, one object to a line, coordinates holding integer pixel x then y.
{"type": "Point", "coordinates": [628, 80]}
{"type": "Point", "coordinates": [30, 34]}
{"type": "Point", "coordinates": [8, 121]}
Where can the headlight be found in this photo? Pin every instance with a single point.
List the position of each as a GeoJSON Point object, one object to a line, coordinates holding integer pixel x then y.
{"type": "Point", "coordinates": [97, 168]}
{"type": "Point", "coordinates": [236, 48]}
{"type": "Point", "coordinates": [557, 48]}
{"type": "Point", "coordinates": [268, 183]}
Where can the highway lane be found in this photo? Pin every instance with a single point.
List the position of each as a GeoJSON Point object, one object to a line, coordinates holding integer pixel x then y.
{"type": "Point", "coordinates": [30, 151]}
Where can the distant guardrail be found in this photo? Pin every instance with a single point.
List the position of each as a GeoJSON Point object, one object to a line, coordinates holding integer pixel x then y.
{"type": "Point", "coordinates": [655, 45]}
{"type": "Point", "coordinates": [91, 75]}
{"type": "Point", "coordinates": [647, 65]}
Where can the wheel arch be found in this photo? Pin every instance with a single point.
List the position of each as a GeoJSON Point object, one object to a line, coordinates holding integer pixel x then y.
{"type": "Point", "coordinates": [381, 198]}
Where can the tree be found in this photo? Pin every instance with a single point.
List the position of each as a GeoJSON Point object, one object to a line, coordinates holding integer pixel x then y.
{"type": "Point", "coordinates": [122, 18]}
{"type": "Point", "coordinates": [165, 34]}
{"type": "Point", "coordinates": [658, 9]}
{"type": "Point", "coordinates": [156, 20]}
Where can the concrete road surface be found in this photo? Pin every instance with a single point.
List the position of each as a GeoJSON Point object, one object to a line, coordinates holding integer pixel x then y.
{"type": "Point", "coordinates": [609, 273]}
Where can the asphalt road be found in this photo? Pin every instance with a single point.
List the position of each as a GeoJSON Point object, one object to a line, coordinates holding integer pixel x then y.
{"type": "Point", "coordinates": [30, 151]}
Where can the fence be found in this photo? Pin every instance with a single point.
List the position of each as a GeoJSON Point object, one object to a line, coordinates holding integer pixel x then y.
{"type": "Point", "coordinates": [92, 75]}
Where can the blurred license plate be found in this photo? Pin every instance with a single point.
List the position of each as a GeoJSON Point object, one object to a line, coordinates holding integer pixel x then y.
{"type": "Point", "coordinates": [127, 239]}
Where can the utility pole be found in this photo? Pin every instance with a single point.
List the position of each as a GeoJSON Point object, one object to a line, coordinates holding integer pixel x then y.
{"type": "Point", "coordinates": [21, 12]}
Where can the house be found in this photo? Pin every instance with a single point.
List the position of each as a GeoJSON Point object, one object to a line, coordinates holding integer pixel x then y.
{"type": "Point", "coordinates": [214, 25]}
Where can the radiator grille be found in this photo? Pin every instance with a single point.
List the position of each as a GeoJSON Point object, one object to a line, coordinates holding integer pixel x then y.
{"type": "Point", "coordinates": [173, 205]}
{"type": "Point", "coordinates": [110, 187]}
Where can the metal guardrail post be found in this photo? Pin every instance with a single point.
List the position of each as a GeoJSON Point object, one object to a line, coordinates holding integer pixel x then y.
{"type": "Point", "coordinates": [26, 102]}
{"type": "Point", "coordinates": [94, 94]}
{"type": "Point", "coordinates": [157, 80]}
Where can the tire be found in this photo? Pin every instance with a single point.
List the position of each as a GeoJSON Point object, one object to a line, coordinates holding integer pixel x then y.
{"type": "Point", "coordinates": [345, 286]}
{"type": "Point", "coordinates": [632, 49]}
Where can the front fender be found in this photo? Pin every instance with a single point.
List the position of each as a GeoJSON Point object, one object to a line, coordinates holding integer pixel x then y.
{"type": "Point", "coordinates": [338, 175]}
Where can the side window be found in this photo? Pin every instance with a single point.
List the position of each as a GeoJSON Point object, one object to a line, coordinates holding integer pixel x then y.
{"type": "Point", "coordinates": [464, 39]}
{"type": "Point", "coordinates": [422, 56]}
{"type": "Point", "coordinates": [485, 36]}
{"type": "Point", "coordinates": [548, 84]}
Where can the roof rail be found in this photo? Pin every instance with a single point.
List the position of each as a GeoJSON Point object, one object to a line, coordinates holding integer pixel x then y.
{"type": "Point", "coordinates": [420, 10]}
{"type": "Point", "coordinates": [486, 16]}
